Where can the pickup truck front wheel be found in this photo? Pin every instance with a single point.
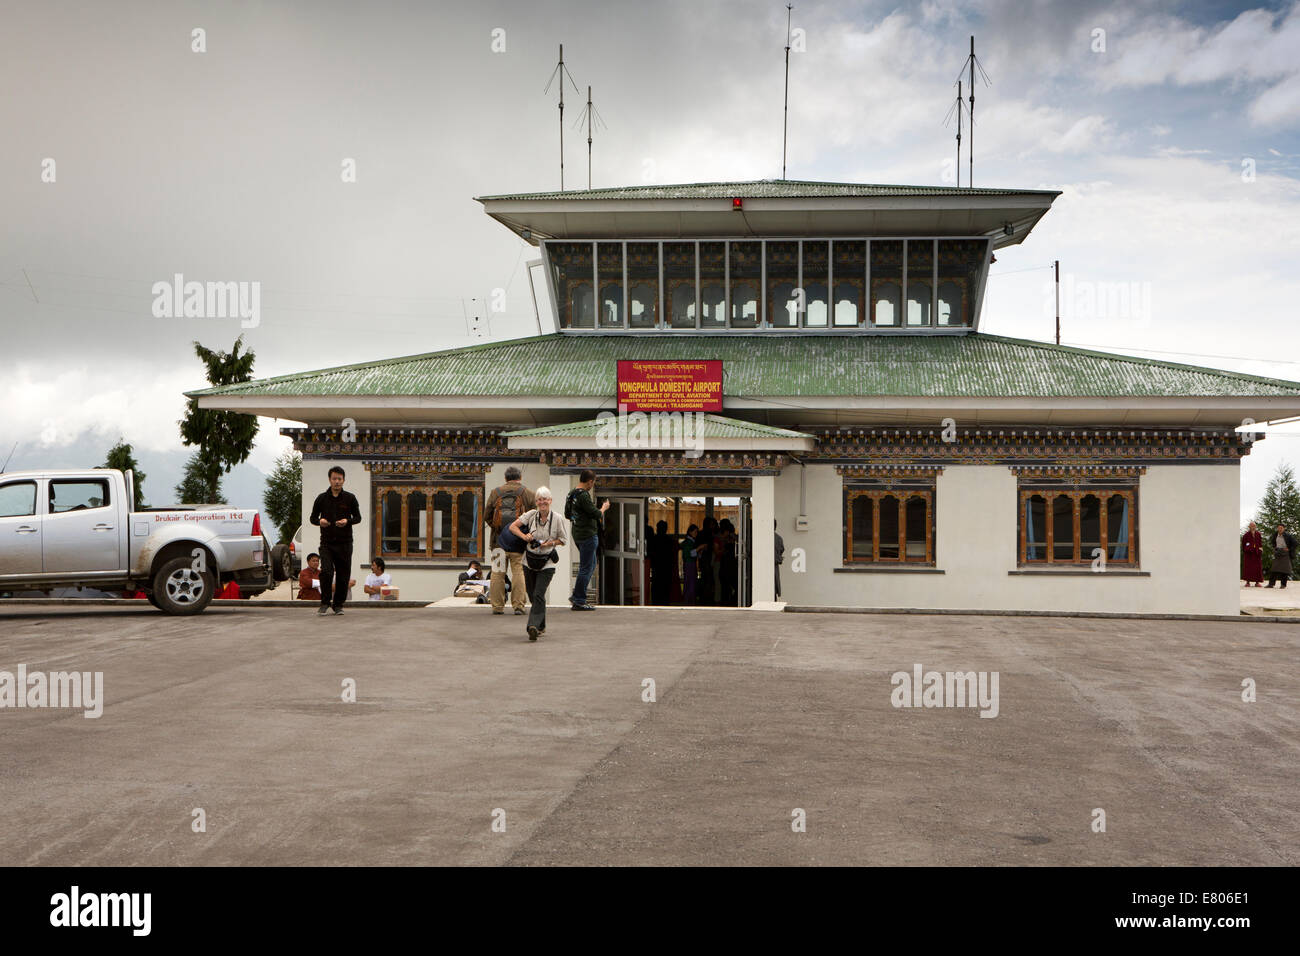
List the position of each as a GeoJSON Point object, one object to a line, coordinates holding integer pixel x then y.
{"type": "Point", "coordinates": [179, 589]}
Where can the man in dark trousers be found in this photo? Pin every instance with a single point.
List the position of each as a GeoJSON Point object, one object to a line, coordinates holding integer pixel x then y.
{"type": "Point", "coordinates": [335, 511]}
{"type": "Point", "coordinates": [514, 499]}
{"type": "Point", "coordinates": [1283, 557]}
{"type": "Point", "coordinates": [586, 518]}
{"type": "Point", "coordinates": [780, 555]}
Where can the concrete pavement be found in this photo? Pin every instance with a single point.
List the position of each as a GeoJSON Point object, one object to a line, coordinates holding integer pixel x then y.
{"type": "Point", "coordinates": [239, 712]}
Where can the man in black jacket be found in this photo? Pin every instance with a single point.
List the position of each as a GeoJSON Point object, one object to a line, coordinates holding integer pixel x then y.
{"type": "Point", "coordinates": [335, 511]}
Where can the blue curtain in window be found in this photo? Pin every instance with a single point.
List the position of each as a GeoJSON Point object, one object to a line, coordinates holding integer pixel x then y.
{"type": "Point", "coordinates": [1031, 549]}
{"type": "Point", "coordinates": [1120, 552]}
{"type": "Point", "coordinates": [477, 522]}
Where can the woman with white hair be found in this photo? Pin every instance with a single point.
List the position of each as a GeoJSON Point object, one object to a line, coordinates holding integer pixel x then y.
{"type": "Point", "coordinates": [543, 530]}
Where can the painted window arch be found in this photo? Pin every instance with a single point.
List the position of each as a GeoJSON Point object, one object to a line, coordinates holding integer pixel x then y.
{"type": "Point", "coordinates": [888, 296]}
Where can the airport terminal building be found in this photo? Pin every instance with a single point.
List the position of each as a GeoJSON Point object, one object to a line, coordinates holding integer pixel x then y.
{"type": "Point", "coordinates": [809, 355]}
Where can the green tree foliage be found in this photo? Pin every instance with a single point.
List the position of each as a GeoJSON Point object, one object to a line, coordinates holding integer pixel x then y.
{"type": "Point", "coordinates": [224, 439]}
{"type": "Point", "coordinates": [199, 486]}
{"type": "Point", "coordinates": [121, 458]}
{"type": "Point", "coordinates": [1280, 505]}
{"type": "Point", "coordinates": [282, 501]}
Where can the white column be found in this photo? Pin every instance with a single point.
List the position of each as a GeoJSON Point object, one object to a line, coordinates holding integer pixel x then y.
{"type": "Point", "coordinates": [762, 506]}
{"type": "Point", "coordinates": [562, 583]}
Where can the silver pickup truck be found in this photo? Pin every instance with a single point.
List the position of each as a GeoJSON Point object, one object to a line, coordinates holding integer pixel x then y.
{"type": "Point", "coordinates": [76, 528]}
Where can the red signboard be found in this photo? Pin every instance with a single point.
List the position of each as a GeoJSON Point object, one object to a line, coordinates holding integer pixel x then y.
{"type": "Point", "coordinates": [675, 385]}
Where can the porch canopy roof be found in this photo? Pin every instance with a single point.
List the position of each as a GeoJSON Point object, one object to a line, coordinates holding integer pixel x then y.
{"type": "Point", "coordinates": [653, 431]}
{"type": "Point", "coordinates": [777, 208]}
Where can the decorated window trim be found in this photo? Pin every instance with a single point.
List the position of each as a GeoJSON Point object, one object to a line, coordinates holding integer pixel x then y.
{"type": "Point", "coordinates": [406, 488]}
{"type": "Point", "coordinates": [902, 490]}
{"type": "Point", "coordinates": [1040, 552]}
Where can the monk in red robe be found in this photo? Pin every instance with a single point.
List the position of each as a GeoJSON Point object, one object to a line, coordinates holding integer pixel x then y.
{"type": "Point", "coordinates": [1252, 557]}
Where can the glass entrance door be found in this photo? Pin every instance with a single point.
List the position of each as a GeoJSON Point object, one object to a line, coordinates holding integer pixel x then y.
{"type": "Point", "coordinates": [622, 568]}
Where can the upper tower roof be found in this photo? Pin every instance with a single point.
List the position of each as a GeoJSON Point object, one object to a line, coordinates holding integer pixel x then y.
{"type": "Point", "coordinates": [771, 208]}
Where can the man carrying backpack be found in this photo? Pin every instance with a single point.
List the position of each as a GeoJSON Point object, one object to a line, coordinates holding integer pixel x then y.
{"type": "Point", "coordinates": [586, 518]}
{"type": "Point", "coordinates": [503, 506]}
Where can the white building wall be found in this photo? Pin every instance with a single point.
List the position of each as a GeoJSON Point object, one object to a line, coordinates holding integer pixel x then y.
{"type": "Point", "coordinates": [1187, 541]}
{"type": "Point", "coordinates": [424, 584]}
{"type": "Point", "coordinates": [315, 479]}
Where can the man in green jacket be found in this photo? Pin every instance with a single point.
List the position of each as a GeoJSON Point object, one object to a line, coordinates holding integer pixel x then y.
{"type": "Point", "coordinates": [586, 528]}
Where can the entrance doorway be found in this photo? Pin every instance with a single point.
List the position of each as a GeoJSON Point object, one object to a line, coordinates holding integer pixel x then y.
{"type": "Point", "coordinates": [642, 562]}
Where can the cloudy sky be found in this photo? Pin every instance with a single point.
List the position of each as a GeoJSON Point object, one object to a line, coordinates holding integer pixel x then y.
{"type": "Point", "coordinates": [1173, 130]}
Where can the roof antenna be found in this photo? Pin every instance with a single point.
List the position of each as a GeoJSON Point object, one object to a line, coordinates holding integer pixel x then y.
{"type": "Point", "coordinates": [588, 114]}
{"type": "Point", "coordinates": [5, 466]}
{"type": "Point", "coordinates": [958, 108]}
{"type": "Point", "coordinates": [973, 64]}
{"type": "Point", "coordinates": [785, 124]}
{"type": "Point", "coordinates": [562, 71]}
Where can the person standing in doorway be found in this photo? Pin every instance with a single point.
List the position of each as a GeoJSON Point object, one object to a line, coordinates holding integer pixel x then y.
{"type": "Point", "coordinates": [503, 506]}
{"type": "Point", "coordinates": [336, 512]}
{"type": "Point", "coordinates": [543, 530]}
{"type": "Point", "coordinates": [1283, 555]}
{"type": "Point", "coordinates": [780, 554]}
{"type": "Point", "coordinates": [580, 508]}
{"type": "Point", "coordinates": [724, 564]}
{"type": "Point", "coordinates": [704, 556]}
{"type": "Point", "coordinates": [662, 553]}
{"type": "Point", "coordinates": [688, 565]}
{"type": "Point", "coordinates": [1252, 557]}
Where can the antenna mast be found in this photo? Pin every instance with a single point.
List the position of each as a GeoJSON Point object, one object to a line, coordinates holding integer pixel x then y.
{"type": "Point", "coordinates": [958, 108]}
{"type": "Point", "coordinates": [959, 134]}
{"type": "Point", "coordinates": [785, 124]}
{"type": "Point", "coordinates": [973, 64]}
{"type": "Point", "coordinates": [561, 71]}
{"type": "Point", "coordinates": [590, 114]}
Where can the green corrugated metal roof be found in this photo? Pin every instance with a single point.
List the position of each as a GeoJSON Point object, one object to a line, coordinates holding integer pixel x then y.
{"type": "Point", "coordinates": [772, 364]}
{"type": "Point", "coordinates": [766, 189]}
{"type": "Point", "coordinates": [714, 426]}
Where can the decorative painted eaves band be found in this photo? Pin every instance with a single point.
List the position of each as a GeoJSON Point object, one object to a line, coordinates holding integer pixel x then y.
{"type": "Point", "coordinates": [1012, 446]}
{"type": "Point", "coordinates": [860, 446]}
{"type": "Point", "coordinates": [1078, 471]}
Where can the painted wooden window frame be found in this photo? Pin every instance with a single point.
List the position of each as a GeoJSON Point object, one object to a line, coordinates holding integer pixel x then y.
{"type": "Point", "coordinates": [1076, 494]}
{"type": "Point", "coordinates": [903, 493]}
{"type": "Point", "coordinates": [429, 490]}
